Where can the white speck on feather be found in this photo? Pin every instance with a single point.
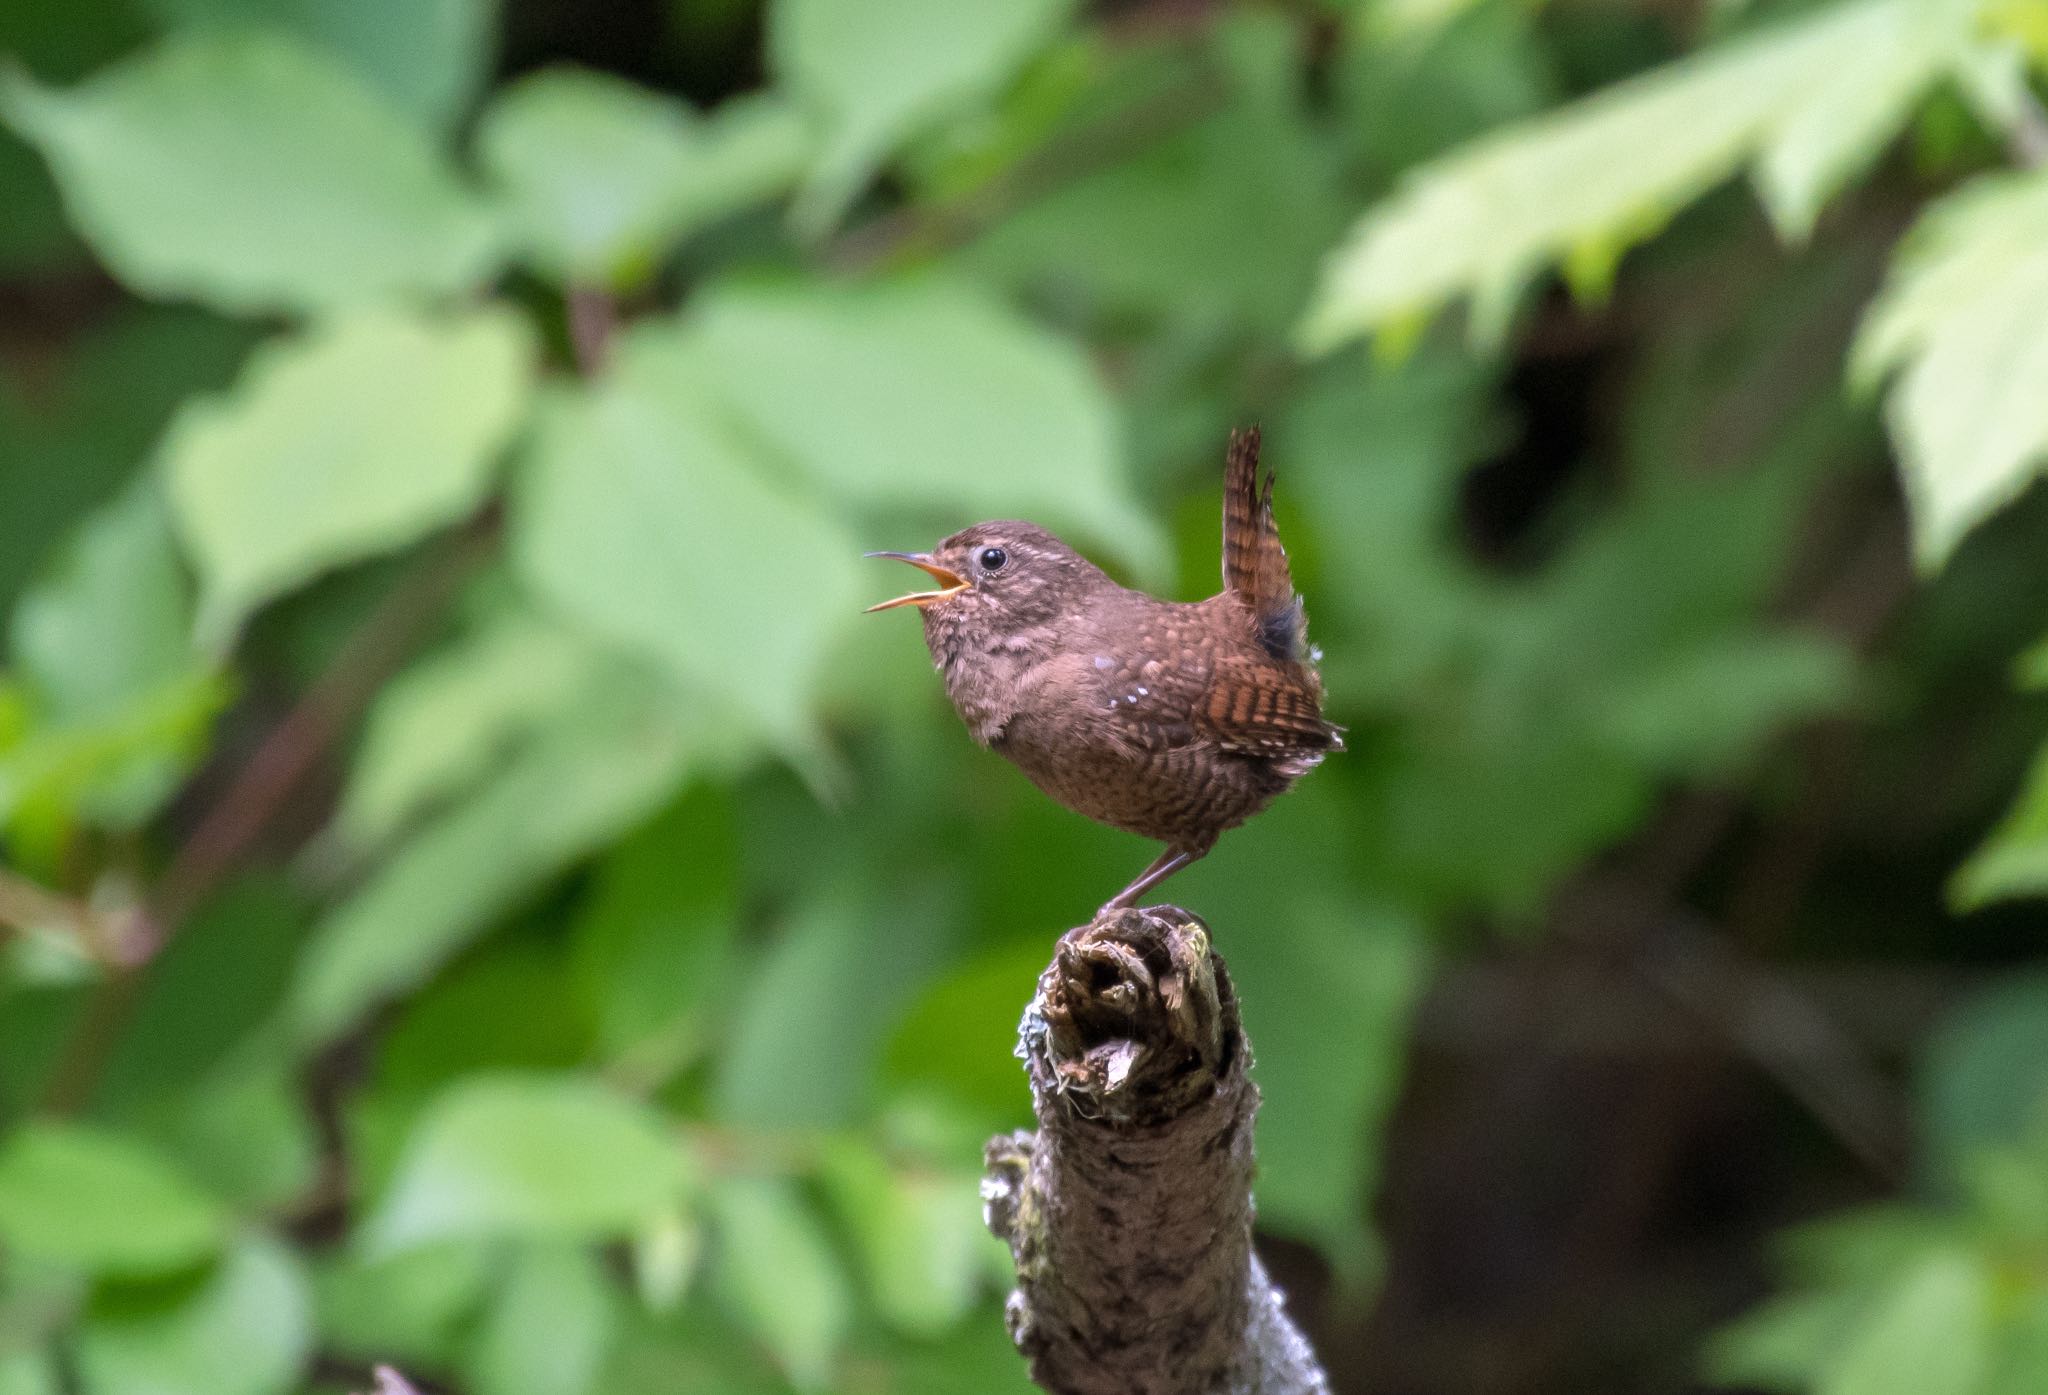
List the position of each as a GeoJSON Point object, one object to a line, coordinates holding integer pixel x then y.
{"type": "Point", "coordinates": [1144, 691]}
{"type": "Point", "coordinates": [1103, 663]}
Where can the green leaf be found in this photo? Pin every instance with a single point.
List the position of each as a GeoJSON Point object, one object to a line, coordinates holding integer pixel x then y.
{"type": "Point", "coordinates": [2021, 1362]}
{"type": "Point", "coordinates": [2013, 861]}
{"type": "Point", "coordinates": [603, 176]}
{"type": "Point", "coordinates": [38, 1014]}
{"type": "Point", "coordinates": [252, 174]}
{"type": "Point", "coordinates": [244, 1329]}
{"type": "Point", "coordinates": [122, 703]}
{"type": "Point", "coordinates": [2006, 1190]}
{"type": "Point", "coordinates": [695, 1350]}
{"type": "Point", "coordinates": [1984, 1075]}
{"type": "Point", "coordinates": [28, 1373]}
{"type": "Point", "coordinates": [425, 57]}
{"type": "Point", "coordinates": [642, 517]}
{"type": "Point", "coordinates": [1833, 132]}
{"type": "Point", "coordinates": [245, 1132]}
{"type": "Point", "coordinates": [1992, 76]}
{"type": "Point", "coordinates": [920, 1235]}
{"type": "Point", "coordinates": [665, 1255]}
{"type": "Point", "coordinates": [40, 1303]}
{"type": "Point", "coordinates": [528, 1155]}
{"type": "Point", "coordinates": [924, 394]}
{"type": "Point", "coordinates": [474, 1018]}
{"type": "Point", "coordinates": [780, 1278]}
{"type": "Point", "coordinates": [76, 443]}
{"type": "Point", "coordinates": [67, 40]}
{"type": "Point", "coordinates": [1963, 321]}
{"type": "Point", "coordinates": [606, 761]}
{"type": "Point", "coordinates": [1929, 1333]}
{"type": "Point", "coordinates": [1705, 707]}
{"type": "Point", "coordinates": [550, 1328]}
{"type": "Point", "coordinates": [95, 1199]}
{"type": "Point", "coordinates": [1487, 218]}
{"type": "Point", "coordinates": [1405, 102]}
{"type": "Point", "coordinates": [977, 1356]}
{"type": "Point", "coordinates": [1322, 1117]}
{"type": "Point", "coordinates": [416, 1305]}
{"type": "Point", "coordinates": [1158, 233]}
{"type": "Point", "coordinates": [1867, 1247]}
{"type": "Point", "coordinates": [357, 437]}
{"type": "Point", "coordinates": [876, 73]}
{"type": "Point", "coordinates": [1410, 19]}
{"type": "Point", "coordinates": [2030, 669]}
{"type": "Point", "coordinates": [34, 240]}
{"type": "Point", "coordinates": [654, 941]}
{"type": "Point", "coordinates": [200, 1005]}
{"type": "Point", "coordinates": [112, 617]}
{"type": "Point", "coordinates": [1784, 1344]}
{"type": "Point", "coordinates": [801, 1051]}
{"type": "Point", "coordinates": [959, 1038]}
{"type": "Point", "coordinates": [437, 729]}
{"type": "Point", "coordinates": [114, 771]}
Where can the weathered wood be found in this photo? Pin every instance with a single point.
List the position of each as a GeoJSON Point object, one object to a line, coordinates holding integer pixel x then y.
{"type": "Point", "coordinates": [1129, 1211]}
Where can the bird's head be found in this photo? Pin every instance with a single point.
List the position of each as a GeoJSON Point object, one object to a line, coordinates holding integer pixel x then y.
{"type": "Point", "coordinates": [999, 577]}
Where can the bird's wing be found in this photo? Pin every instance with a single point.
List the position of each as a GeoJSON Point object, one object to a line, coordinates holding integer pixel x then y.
{"type": "Point", "coordinates": [1255, 706]}
{"type": "Point", "coordinates": [1239, 702]}
{"type": "Point", "coordinates": [1254, 563]}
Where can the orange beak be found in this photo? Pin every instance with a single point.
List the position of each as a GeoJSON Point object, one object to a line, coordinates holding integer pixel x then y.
{"type": "Point", "coordinates": [950, 582]}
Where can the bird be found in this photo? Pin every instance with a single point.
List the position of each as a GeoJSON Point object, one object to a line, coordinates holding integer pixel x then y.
{"type": "Point", "coordinates": [1174, 720]}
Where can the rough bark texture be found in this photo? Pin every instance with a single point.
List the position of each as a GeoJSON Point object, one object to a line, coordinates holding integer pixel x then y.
{"type": "Point", "coordinates": [1129, 1211]}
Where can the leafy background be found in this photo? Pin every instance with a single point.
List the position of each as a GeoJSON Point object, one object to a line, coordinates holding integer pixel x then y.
{"type": "Point", "coordinates": [478, 895]}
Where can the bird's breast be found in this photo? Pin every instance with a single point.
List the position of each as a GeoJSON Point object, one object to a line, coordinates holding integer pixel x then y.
{"type": "Point", "coordinates": [989, 681]}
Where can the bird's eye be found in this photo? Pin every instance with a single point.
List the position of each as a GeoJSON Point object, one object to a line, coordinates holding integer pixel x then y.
{"type": "Point", "coordinates": [992, 559]}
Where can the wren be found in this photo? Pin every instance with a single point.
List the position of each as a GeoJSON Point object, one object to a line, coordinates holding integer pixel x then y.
{"type": "Point", "coordinates": [1172, 720]}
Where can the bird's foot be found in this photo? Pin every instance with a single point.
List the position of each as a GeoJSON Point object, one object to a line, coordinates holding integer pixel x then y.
{"type": "Point", "coordinates": [1164, 866]}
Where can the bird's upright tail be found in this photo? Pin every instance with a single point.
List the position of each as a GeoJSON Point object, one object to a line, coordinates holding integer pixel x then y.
{"type": "Point", "coordinates": [1254, 563]}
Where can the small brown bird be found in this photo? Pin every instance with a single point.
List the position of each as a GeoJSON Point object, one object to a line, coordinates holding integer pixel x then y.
{"type": "Point", "coordinates": [1173, 720]}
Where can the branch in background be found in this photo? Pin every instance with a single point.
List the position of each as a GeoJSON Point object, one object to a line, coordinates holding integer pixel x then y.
{"type": "Point", "coordinates": [1779, 1028]}
{"type": "Point", "coordinates": [371, 654]}
{"type": "Point", "coordinates": [593, 318]}
{"type": "Point", "coordinates": [1590, 1007]}
{"type": "Point", "coordinates": [117, 938]}
{"type": "Point", "coordinates": [2026, 131]}
{"type": "Point", "coordinates": [1638, 920]}
{"type": "Point", "coordinates": [1129, 1212]}
{"type": "Point", "coordinates": [389, 1382]}
{"type": "Point", "coordinates": [235, 822]}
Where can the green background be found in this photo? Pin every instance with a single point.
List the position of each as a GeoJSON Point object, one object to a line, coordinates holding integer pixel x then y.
{"type": "Point", "coordinates": [478, 895]}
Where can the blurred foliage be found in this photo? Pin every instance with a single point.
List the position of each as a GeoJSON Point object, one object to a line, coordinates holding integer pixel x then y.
{"type": "Point", "coordinates": [1930, 1298]}
{"type": "Point", "coordinates": [477, 893]}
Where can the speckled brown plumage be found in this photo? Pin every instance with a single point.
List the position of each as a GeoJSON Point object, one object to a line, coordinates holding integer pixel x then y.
{"type": "Point", "coordinates": [1173, 720]}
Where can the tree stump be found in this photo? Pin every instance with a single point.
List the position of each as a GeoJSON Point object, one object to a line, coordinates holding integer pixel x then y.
{"type": "Point", "coordinates": [1129, 1211]}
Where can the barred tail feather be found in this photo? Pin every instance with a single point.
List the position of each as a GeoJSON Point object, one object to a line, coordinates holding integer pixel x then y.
{"type": "Point", "coordinates": [1254, 563]}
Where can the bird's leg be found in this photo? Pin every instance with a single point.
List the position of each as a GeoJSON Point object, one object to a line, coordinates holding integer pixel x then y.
{"type": "Point", "coordinates": [1163, 866]}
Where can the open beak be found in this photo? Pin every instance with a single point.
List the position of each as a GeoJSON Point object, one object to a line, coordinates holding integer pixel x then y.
{"type": "Point", "coordinates": [950, 582]}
